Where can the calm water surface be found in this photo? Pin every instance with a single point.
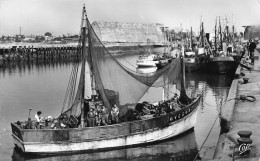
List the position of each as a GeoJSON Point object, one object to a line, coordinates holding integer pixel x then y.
{"type": "Point", "coordinates": [42, 86]}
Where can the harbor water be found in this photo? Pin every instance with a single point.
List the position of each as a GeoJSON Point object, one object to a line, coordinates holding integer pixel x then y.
{"type": "Point", "coordinates": [42, 86]}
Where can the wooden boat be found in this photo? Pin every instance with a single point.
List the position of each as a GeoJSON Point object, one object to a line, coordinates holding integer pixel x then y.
{"type": "Point", "coordinates": [195, 61]}
{"type": "Point", "coordinates": [146, 70]}
{"type": "Point", "coordinates": [104, 70]}
{"type": "Point", "coordinates": [222, 65]}
{"type": "Point", "coordinates": [163, 62]}
{"type": "Point", "coordinates": [222, 62]}
{"type": "Point", "coordinates": [177, 148]}
{"type": "Point", "coordinates": [148, 60]}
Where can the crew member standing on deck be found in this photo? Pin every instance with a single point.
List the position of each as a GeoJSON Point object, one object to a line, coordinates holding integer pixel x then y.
{"type": "Point", "coordinates": [39, 120]}
{"type": "Point", "coordinates": [91, 117]}
{"type": "Point", "coordinates": [104, 113]}
{"type": "Point", "coordinates": [114, 113]}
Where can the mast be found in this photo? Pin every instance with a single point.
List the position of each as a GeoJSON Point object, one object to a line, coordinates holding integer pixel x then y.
{"type": "Point", "coordinates": [191, 38]}
{"type": "Point", "coordinates": [216, 34]}
{"type": "Point", "coordinates": [227, 30]}
{"type": "Point", "coordinates": [233, 30]}
{"type": "Point", "coordinates": [220, 33]}
{"type": "Point", "coordinates": [201, 33]}
{"type": "Point", "coordinates": [83, 76]}
{"type": "Point", "coordinates": [183, 68]}
{"type": "Point", "coordinates": [84, 19]}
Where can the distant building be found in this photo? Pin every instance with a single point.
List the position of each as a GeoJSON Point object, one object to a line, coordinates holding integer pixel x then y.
{"type": "Point", "coordinates": [120, 32]}
{"type": "Point", "coordinates": [47, 38]}
{"type": "Point", "coordinates": [252, 32]}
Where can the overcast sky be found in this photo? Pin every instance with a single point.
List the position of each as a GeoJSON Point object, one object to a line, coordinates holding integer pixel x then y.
{"type": "Point", "coordinates": [63, 16]}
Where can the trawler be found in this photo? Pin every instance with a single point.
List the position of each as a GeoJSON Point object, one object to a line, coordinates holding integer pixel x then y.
{"type": "Point", "coordinates": [138, 123]}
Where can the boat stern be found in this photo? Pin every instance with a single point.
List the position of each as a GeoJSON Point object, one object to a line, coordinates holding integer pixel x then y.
{"type": "Point", "coordinates": [17, 136]}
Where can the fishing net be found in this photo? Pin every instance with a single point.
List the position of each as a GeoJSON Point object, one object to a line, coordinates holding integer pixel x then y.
{"type": "Point", "coordinates": [117, 84]}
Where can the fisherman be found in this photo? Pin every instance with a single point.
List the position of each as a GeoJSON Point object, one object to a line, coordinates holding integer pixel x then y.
{"type": "Point", "coordinates": [229, 49]}
{"type": "Point", "coordinates": [115, 113]}
{"type": "Point", "coordinates": [104, 113]}
{"type": "Point", "coordinates": [39, 120]}
{"type": "Point", "coordinates": [91, 118]}
{"type": "Point", "coordinates": [48, 120]}
{"type": "Point", "coordinates": [56, 124]}
{"type": "Point", "coordinates": [174, 102]}
{"type": "Point", "coordinates": [98, 119]}
{"type": "Point", "coordinates": [251, 49]}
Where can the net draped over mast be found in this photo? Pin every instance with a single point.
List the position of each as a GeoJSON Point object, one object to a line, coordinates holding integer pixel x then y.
{"type": "Point", "coordinates": [117, 84]}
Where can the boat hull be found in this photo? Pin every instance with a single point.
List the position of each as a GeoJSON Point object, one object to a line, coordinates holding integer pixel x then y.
{"type": "Point", "coordinates": [146, 63]}
{"type": "Point", "coordinates": [192, 65]}
{"type": "Point", "coordinates": [163, 63]}
{"type": "Point", "coordinates": [109, 137]}
{"type": "Point", "coordinates": [222, 65]}
{"type": "Point", "coordinates": [179, 148]}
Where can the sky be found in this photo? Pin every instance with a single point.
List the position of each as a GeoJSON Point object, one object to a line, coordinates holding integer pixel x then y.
{"type": "Point", "coordinates": [63, 16]}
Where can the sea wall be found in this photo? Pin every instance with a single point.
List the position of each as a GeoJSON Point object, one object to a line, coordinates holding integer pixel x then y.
{"type": "Point", "coordinates": [121, 32]}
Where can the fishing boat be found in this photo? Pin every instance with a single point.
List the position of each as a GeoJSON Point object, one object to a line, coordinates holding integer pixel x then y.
{"type": "Point", "coordinates": [195, 61]}
{"type": "Point", "coordinates": [222, 61]}
{"type": "Point", "coordinates": [168, 54]}
{"type": "Point", "coordinates": [146, 70]}
{"type": "Point", "coordinates": [165, 60]}
{"type": "Point", "coordinates": [158, 60]}
{"type": "Point", "coordinates": [147, 60]}
{"type": "Point", "coordinates": [137, 124]}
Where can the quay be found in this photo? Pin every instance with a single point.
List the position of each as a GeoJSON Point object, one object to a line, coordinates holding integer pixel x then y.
{"type": "Point", "coordinates": [241, 113]}
{"type": "Point", "coordinates": [20, 53]}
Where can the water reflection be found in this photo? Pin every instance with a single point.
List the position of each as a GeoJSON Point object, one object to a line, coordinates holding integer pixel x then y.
{"type": "Point", "coordinates": [30, 67]}
{"type": "Point", "coordinates": [214, 85]}
{"type": "Point", "coordinates": [180, 148]}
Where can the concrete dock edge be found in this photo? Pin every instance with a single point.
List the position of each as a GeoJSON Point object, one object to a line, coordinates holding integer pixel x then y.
{"type": "Point", "coordinates": [228, 108]}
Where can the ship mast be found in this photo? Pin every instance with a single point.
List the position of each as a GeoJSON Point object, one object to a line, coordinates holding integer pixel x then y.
{"type": "Point", "coordinates": [233, 31]}
{"type": "Point", "coordinates": [227, 31]}
{"type": "Point", "coordinates": [83, 66]}
{"type": "Point", "coordinates": [216, 35]}
{"type": "Point", "coordinates": [201, 34]}
{"type": "Point", "coordinates": [220, 34]}
{"type": "Point", "coordinates": [191, 38]}
{"type": "Point", "coordinates": [83, 76]}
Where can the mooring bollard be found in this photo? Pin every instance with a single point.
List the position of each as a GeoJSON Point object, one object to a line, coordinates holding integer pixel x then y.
{"type": "Point", "coordinates": [244, 142]}
{"type": "Point", "coordinates": [245, 80]}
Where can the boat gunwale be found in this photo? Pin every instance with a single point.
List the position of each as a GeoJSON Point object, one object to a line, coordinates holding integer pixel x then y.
{"type": "Point", "coordinates": [106, 126]}
{"type": "Point", "coordinates": [118, 136]}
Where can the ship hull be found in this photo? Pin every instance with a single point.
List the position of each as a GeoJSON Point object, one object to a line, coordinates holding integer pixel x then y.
{"type": "Point", "coordinates": [49, 141]}
{"type": "Point", "coordinates": [146, 63]}
{"type": "Point", "coordinates": [192, 65]}
{"type": "Point", "coordinates": [222, 65]}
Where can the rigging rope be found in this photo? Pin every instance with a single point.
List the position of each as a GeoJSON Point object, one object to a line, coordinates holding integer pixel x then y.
{"type": "Point", "coordinates": [127, 61]}
{"type": "Point", "coordinates": [243, 98]}
{"type": "Point", "coordinates": [207, 135]}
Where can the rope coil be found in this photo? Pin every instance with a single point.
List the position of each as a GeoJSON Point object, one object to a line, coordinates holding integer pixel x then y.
{"type": "Point", "coordinates": [247, 98]}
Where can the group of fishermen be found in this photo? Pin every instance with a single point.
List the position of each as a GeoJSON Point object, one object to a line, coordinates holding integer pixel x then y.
{"type": "Point", "coordinates": [44, 123]}
{"type": "Point", "coordinates": [99, 116]}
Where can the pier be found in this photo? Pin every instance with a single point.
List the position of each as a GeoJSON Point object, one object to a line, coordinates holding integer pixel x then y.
{"type": "Point", "coordinates": [19, 53]}
{"type": "Point", "coordinates": [241, 114]}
